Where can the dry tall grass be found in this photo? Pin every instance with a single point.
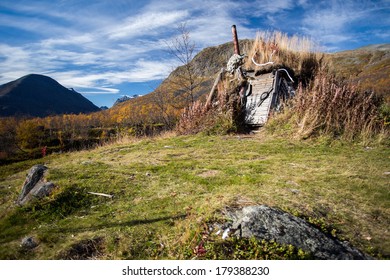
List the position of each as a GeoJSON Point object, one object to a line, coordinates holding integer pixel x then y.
{"type": "Point", "coordinates": [299, 55]}
{"type": "Point", "coordinates": [337, 108]}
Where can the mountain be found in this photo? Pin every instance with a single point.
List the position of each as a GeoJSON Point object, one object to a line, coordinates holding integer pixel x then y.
{"type": "Point", "coordinates": [125, 98]}
{"type": "Point", "coordinates": [39, 96]}
{"type": "Point", "coordinates": [121, 100]}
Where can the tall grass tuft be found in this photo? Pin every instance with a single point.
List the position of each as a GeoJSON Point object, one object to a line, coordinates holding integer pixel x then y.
{"type": "Point", "coordinates": [336, 108]}
{"type": "Point", "coordinates": [300, 55]}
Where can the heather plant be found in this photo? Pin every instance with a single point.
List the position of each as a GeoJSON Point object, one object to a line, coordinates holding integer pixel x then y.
{"type": "Point", "coordinates": [224, 116]}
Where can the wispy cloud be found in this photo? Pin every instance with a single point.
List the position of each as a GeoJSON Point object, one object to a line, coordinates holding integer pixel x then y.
{"type": "Point", "coordinates": [104, 82]}
{"type": "Point", "coordinates": [335, 23]}
{"type": "Point", "coordinates": [263, 7]}
{"type": "Point", "coordinates": [145, 24]}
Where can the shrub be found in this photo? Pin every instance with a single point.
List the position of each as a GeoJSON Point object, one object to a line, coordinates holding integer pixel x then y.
{"type": "Point", "coordinates": [224, 116]}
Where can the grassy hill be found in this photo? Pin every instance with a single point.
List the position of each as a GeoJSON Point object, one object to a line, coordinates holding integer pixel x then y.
{"type": "Point", "coordinates": [167, 191]}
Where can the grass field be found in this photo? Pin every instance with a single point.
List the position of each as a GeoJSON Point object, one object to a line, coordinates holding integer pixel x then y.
{"type": "Point", "coordinates": [167, 189]}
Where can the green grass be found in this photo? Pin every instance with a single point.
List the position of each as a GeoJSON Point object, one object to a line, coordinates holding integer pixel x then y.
{"type": "Point", "coordinates": [167, 189]}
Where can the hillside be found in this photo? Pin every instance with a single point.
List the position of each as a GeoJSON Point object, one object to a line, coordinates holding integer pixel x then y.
{"type": "Point", "coordinates": [370, 66]}
{"type": "Point", "coordinates": [168, 189]}
{"type": "Point", "coordinates": [39, 96]}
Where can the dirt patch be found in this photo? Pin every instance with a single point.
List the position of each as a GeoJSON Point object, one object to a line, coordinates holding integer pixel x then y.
{"type": "Point", "coordinates": [209, 173]}
{"type": "Point", "coordinates": [87, 249]}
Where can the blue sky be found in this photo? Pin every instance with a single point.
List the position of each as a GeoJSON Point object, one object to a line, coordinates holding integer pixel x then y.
{"type": "Point", "coordinates": [106, 49]}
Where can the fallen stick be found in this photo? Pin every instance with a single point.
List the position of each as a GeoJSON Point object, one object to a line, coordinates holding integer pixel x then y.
{"type": "Point", "coordinates": [102, 194]}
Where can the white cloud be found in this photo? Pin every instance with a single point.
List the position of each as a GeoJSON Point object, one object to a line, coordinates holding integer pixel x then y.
{"type": "Point", "coordinates": [337, 23]}
{"type": "Point", "coordinates": [124, 50]}
{"type": "Point", "coordinates": [328, 20]}
{"type": "Point", "coordinates": [147, 70]}
{"type": "Point", "coordinates": [272, 6]}
{"type": "Point", "coordinates": [104, 82]}
{"type": "Point", "coordinates": [120, 48]}
{"type": "Point", "coordinates": [145, 23]}
{"type": "Point", "coordinates": [99, 90]}
{"type": "Point", "coordinates": [34, 25]}
{"type": "Point", "coordinates": [68, 40]}
{"type": "Point", "coordinates": [14, 63]}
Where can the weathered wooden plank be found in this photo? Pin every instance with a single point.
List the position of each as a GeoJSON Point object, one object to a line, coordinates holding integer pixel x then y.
{"type": "Point", "coordinates": [257, 114]}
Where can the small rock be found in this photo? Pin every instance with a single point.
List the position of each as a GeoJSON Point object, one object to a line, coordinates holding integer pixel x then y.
{"type": "Point", "coordinates": [386, 173]}
{"type": "Point", "coordinates": [28, 243]}
{"type": "Point", "coordinates": [295, 191]}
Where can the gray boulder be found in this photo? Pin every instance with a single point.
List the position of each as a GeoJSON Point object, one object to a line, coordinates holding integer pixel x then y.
{"type": "Point", "coordinates": [35, 186]}
{"type": "Point", "coordinates": [269, 224]}
{"type": "Point", "coordinates": [28, 243]}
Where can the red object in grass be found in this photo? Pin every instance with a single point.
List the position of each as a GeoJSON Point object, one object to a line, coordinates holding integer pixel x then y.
{"type": "Point", "coordinates": [44, 150]}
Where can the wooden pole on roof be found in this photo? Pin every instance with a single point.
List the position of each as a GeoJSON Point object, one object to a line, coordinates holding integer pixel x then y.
{"type": "Point", "coordinates": [235, 40]}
